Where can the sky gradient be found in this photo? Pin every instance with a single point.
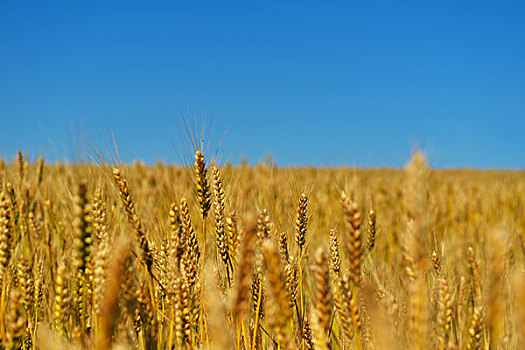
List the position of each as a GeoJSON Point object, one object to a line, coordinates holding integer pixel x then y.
{"type": "Point", "coordinates": [350, 83]}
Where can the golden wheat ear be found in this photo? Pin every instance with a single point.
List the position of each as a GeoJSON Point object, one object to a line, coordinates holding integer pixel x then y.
{"type": "Point", "coordinates": [323, 305]}
{"type": "Point", "coordinates": [109, 307]}
{"type": "Point", "coordinates": [301, 221]}
{"type": "Point", "coordinates": [61, 310]}
{"type": "Point", "coordinates": [133, 219]}
{"type": "Point", "coordinates": [233, 236]}
{"type": "Point", "coordinates": [203, 186]}
{"type": "Point", "coordinates": [16, 321]}
{"type": "Point", "coordinates": [335, 259]}
{"type": "Point", "coordinates": [240, 299]}
{"type": "Point", "coordinates": [279, 306]}
{"type": "Point", "coordinates": [6, 233]}
{"type": "Point", "coordinates": [220, 232]}
{"type": "Point", "coordinates": [353, 226]}
{"type": "Point", "coordinates": [371, 238]}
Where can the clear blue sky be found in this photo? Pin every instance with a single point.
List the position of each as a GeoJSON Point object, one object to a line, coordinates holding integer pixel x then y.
{"type": "Point", "coordinates": [357, 83]}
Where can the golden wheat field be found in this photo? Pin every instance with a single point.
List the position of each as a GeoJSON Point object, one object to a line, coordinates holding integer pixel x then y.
{"type": "Point", "coordinates": [260, 257]}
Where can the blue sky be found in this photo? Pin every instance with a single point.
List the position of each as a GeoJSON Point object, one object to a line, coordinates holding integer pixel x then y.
{"type": "Point", "coordinates": [322, 83]}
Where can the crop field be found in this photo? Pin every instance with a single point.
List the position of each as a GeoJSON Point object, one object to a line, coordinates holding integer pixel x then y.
{"type": "Point", "coordinates": [206, 256]}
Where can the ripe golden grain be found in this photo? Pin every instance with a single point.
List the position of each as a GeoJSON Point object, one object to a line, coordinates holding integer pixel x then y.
{"type": "Point", "coordinates": [440, 268]}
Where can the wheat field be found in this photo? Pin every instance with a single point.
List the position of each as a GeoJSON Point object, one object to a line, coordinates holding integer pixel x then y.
{"type": "Point", "coordinates": [100, 256]}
